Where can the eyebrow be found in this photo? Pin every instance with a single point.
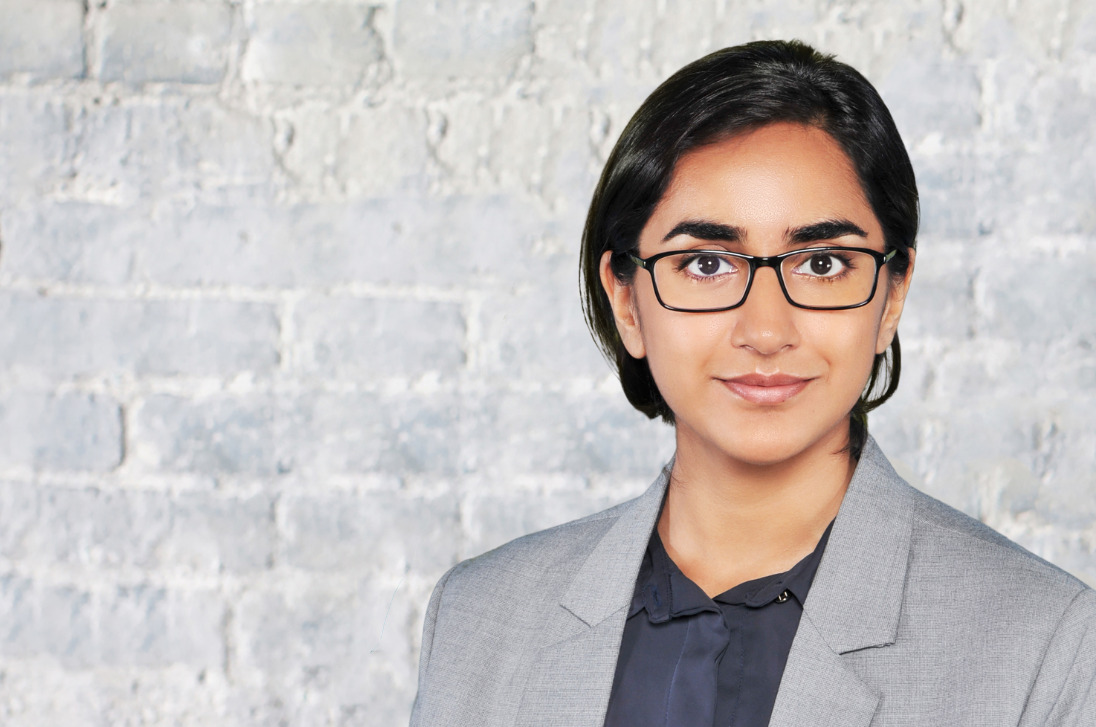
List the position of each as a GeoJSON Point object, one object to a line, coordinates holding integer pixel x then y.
{"type": "Point", "coordinates": [706, 231]}
{"type": "Point", "coordinates": [824, 230]}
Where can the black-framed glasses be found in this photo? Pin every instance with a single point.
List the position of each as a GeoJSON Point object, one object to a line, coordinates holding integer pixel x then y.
{"type": "Point", "coordinates": [816, 278]}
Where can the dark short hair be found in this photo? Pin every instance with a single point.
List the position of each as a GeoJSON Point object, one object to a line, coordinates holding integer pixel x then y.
{"type": "Point", "coordinates": [730, 92]}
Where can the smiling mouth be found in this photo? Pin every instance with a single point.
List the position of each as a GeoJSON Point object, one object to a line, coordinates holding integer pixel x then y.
{"type": "Point", "coordinates": [766, 388]}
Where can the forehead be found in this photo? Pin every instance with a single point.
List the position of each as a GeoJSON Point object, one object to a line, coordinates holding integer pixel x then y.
{"type": "Point", "coordinates": [766, 180]}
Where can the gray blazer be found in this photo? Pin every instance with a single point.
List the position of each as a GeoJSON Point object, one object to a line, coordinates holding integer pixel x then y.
{"type": "Point", "coordinates": [918, 615]}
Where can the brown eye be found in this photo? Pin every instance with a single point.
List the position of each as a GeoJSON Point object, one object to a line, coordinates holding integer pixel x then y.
{"type": "Point", "coordinates": [707, 265]}
{"type": "Point", "coordinates": [821, 264]}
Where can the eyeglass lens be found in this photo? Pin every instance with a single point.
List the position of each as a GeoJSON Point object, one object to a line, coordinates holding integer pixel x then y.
{"type": "Point", "coordinates": [819, 279]}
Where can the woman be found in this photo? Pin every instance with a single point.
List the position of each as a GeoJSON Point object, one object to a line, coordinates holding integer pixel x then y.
{"type": "Point", "coordinates": [746, 260]}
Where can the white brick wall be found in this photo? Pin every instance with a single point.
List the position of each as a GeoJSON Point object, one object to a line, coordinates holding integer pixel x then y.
{"type": "Point", "coordinates": [291, 316]}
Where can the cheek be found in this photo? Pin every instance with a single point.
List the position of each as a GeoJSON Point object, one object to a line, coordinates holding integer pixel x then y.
{"type": "Point", "coordinates": [679, 343]}
{"type": "Point", "coordinates": [847, 340]}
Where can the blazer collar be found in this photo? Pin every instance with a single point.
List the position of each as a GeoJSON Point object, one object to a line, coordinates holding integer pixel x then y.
{"type": "Point", "coordinates": [605, 582]}
{"type": "Point", "coordinates": [856, 598]}
{"type": "Point", "coordinates": [854, 603]}
{"type": "Point", "coordinates": [571, 675]}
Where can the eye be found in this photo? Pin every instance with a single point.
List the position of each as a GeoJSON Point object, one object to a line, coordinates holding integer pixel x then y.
{"type": "Point", "coordinates": [822, 265]}
{"type": "Point", "coordinates": [706, 266]}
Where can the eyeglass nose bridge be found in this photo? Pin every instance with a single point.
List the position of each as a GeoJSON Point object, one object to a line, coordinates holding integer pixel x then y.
{"type": "Point", "coordinates": [770, 261]}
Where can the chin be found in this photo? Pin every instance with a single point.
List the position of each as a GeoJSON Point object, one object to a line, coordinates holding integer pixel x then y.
{"type": "Point", "coordinates": [768, 446]}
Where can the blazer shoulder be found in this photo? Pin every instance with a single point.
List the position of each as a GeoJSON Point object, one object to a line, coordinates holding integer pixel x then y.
{"type": "Point", "coordinates": [530, 559]}
{"type": "Point", "coordinates": [960, 545]}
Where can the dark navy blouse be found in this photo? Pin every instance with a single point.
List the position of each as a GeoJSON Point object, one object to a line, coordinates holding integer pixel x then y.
{"type": "Point", "coordinates": [689, 660]}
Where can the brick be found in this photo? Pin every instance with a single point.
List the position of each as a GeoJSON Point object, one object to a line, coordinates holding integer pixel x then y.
{"type": "Point", "coordinates": [42, 526]}
{"type": "Point", "coordinates": [214, 533]}
{"type": "Point", "coordinates": [19, 508]}
{"type": "Point", "coordinates": [44, 693]}
{"type": "Point", "coordinates": [67, 337]}
{"type": "Point", "coordinates": [150, 626]}
{"type": "Point", "coordinates": [999, 365]}
{"type": "Point", "coordinates": [534, 145]}
{"type": "Point", "coordinates": [36, 149]}
{"type": "Point", "coordinates": [125, 153]}
{"type": "Point", "coordinates": [446, 243]}
{"type": "Point", "coordinates": [132, 152]}
{"type": "Point", "coordinates": [227, 147]}
{"type": "Point", "coordinates": [1050, 188]}
{"type": "Point", "coordinates": [630, 41]}
{"type": "Point", "coordinates": [269, 435]}
{"type": "Point", "coordinates": [73, 242]}
{"type": "Point", "coordinates": [314, 45]}
{"type": "Point", "coordinates": [491, 239]}
{"type": "Point", "coordinates": [587, 434]}
{"type": "Point", "coordinates": [1067, 437]}
{"type": "Point", "coordinates": [259, 245]}
{"type": "Point", "coordinates": [43, 620]}
{"type": "Point", "coordinates": [448, 38]}
{"type": "Point", "coordinates": [83, 527]}
{"type": "Point", "coordinates": [390, 701]}
{"type": "Point", "coordinates": [949, 187]}
{"type": "Point", "coordinates": [1084, 31]}
{"type": "Point", "coordinates": [383, 149]}
{"type": "Point", "coordinates": [267, 245]}
{"type": "Point", "coordinates": [930, 96]}
{"type": "Point", "coordinates": [401, 434]}
{"type": "Point", "coordinates": [42, 39]}
{"type": "Point", "coordinates": [138, 626]}
{"type": "Point", "coordinates": [940, 303]}
{"type": "Point", "coordinates": [154, 42]}
{"type": "Point", "coordinates": [538, 333]}
{"type": "Point", "coordinates": [309, 135]}
{"type": "Point", "coordinates": [955, 447]}
{"type": "Point", "coordinates": [218, 435]}
{"type": "Point", "coordinates": [490, 520]}
{"type": "Point", "coordinates": [1037, 298]}
{"type": "Point", "coordinates": [40, 693]}
{"type": "Point", "coordinates": [1036, 174]}
{"type": "Point", "coordinates": [347, 338]}
{"type": "Point", "coordinates": [321, 639]}
{"type": "Point", "coordinates": [70, 431]}
{"type": "Point", "coordinates": [351, 532]}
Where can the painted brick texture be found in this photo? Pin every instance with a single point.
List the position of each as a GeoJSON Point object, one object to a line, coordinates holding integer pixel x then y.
{"type": "Point", "coordinates": [292, 321]}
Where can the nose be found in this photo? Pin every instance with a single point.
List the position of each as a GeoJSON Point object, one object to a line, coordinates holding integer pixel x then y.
{"type": "Point", "coordinates": [765, 323]}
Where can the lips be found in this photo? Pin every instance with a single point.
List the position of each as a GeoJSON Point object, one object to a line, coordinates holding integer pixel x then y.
{"type": "Point", "coordinates": [766, 388]}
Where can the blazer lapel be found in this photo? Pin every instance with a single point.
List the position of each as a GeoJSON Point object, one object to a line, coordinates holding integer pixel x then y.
{"type": "Point", "coordinates": [854, 603]}
{"type": "Point", "coordinates": [571, 677]}
{"type": "Point", "coordinates": [818, 689]}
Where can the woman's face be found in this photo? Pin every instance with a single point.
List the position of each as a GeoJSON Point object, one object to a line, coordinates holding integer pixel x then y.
{"type": "Point", "coordinates": [766, 382]}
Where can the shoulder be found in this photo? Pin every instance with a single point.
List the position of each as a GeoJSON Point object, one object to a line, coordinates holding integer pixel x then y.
{"type": "Point", "coordinates": [952, 551]}
{"type": "Point", "coordinates": [534, 563]}
{"type": "Point", "coordinates": [1018, 631]}
{"type": "Point", "coordinates": [960, 549]}
{"type": "Point", "coordinates": [488, 616]}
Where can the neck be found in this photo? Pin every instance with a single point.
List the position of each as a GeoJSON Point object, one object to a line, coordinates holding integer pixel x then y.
{"type": "Point", "coordinates": [726, 522]}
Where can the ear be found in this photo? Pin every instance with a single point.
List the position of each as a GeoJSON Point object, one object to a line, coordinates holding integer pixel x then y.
{"type": "Point", "coordinates": [896, 300]}
{"type": "Point", "coordinates": [622, 299]}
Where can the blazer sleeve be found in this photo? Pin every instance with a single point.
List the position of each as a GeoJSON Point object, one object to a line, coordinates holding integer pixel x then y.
{"type": "Point", "coordinates": [1064, 693]}
{"type": "Point", "coordinates": [427, 644]}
